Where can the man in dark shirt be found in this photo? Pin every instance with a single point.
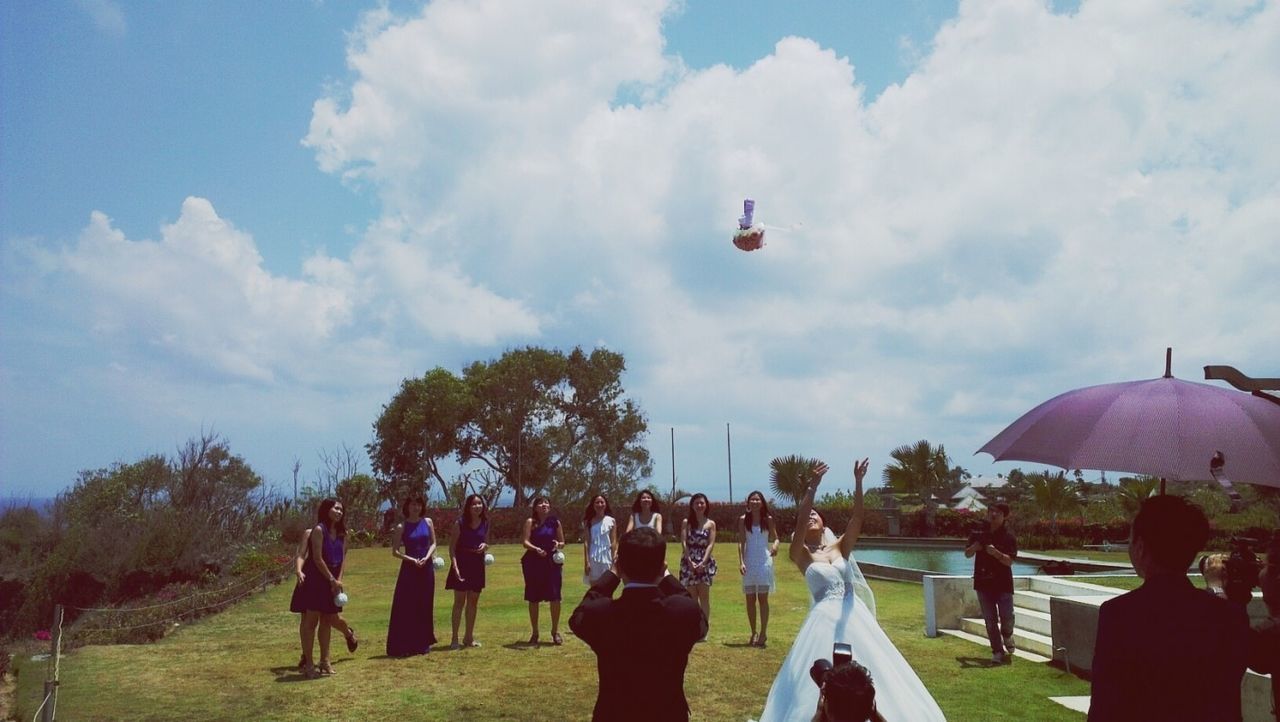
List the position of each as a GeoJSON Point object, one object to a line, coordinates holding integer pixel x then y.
{"type": "Point", "coordinates": [993, 580]}
{"type": "Point", "coordinates": [1264, 645]}
{"type": "Point", "coordinates": [1167, 651]}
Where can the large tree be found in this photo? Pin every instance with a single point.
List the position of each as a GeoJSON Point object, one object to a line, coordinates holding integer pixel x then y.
{"type": "Point", "coordinates": [923, 469]}
{"type": "Point", "coordinates": [523, 415]}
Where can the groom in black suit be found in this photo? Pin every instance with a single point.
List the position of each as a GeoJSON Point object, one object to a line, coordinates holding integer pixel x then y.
{"type": "Point", "coordinates": [641, 639]}
{"type": "Point", "coordinates": [1168, 651]}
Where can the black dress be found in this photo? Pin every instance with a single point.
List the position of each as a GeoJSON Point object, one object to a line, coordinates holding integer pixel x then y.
{"type": "Point", "coordinates": [470, 562]}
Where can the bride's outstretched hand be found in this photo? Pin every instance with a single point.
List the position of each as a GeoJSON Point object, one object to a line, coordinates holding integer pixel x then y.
{"type": "Point", "coordinates": [860, 469]}
{"type": "Point", "coordinates": [816, 472]}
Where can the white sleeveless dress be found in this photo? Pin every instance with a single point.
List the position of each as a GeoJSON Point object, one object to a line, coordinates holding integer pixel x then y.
{"type": "Point", "coordinates": [759, 563]}
{"type": "Point", "coordinates": [837, 615]}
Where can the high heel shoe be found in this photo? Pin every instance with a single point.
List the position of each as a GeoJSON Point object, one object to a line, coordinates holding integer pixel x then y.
{"type": "Point", "coordinates": [352, 642]}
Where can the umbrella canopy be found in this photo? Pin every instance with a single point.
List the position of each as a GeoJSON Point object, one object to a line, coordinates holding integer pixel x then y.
{"type": "Point", "coordinates": [1161, 427]}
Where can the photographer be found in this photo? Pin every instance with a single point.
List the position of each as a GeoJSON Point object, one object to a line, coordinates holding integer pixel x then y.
{"type": "Point", "coordinates": [1264, 641]}
{"type": "Point", "coordinates": [847, 694]}
{"type": "Point", "coordinates": [995, 549]}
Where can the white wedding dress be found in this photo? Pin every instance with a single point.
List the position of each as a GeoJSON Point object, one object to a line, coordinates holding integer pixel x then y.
{"type": "Point", "coordinates": [840, 615]}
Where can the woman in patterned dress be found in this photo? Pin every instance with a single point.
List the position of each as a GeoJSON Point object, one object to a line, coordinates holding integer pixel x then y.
{"type": "Point", "coordinates": [697, 564]}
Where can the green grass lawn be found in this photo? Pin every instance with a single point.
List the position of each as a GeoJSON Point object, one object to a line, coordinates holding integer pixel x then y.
{"type": "Point", "coordinates": [238, 665]}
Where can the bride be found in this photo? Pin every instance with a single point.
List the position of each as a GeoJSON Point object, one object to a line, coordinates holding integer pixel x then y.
{"type": "Point", "coordinates": [843, 611]}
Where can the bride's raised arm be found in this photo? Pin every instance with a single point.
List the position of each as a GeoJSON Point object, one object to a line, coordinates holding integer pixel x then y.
{"type": "Point", "coordinates": [798, 552]}
{"type": "Point", "coordinates": [851, 532]}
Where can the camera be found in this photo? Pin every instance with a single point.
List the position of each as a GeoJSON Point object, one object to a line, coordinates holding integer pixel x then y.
{"type": "Point", "coordinates": [1242, 570]}
{"type": "Point", "coordinates": [841, 653]}
{"type": "Point", "coordinates": [979, 534]}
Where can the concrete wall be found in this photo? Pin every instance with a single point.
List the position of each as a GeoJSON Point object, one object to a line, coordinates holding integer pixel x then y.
{"type": "Point", "coordinates": [946, 600]}
{"type": "Point", "coordinates": [1075, 628]}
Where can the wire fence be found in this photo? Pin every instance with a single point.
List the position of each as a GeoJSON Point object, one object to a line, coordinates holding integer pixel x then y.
{"type": "Point", "coordinates": [137, 624]}
{"type": "Point", "coordinates": [125, 625]}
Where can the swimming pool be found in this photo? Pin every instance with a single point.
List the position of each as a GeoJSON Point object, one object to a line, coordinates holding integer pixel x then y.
{"type": "Point", "coordinates": [940, 560]}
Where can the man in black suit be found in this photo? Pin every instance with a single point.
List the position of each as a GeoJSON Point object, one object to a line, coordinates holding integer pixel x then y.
{"type": "Point", "coordinates": [642, 639]}
{"type": "Point", "coordinates": [1168, 651]}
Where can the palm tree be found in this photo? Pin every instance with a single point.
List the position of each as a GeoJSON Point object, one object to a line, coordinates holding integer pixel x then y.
{"type": "Point", "coordinates": [920, 468]}
{"type": "Point", "coordinates": [1053, 495]}
{"type": "Point", "coordinates": [789, 476]}
{"type": "Point", "coordinates": [1133, 491]}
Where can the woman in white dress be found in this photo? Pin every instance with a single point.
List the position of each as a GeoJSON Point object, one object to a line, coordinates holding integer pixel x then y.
{"type": "Point", "coordinates": [600, 539]}
{"type": "Point", "coordinates": [757, 546]}
{"type": "Point", "coordinates": [843, 611]}
{"type": "Point", "coordinates": [645, 512]}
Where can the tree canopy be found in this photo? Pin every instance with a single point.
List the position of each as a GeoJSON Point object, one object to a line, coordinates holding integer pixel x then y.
{"type": "Point", "coordinates": [538, 417]}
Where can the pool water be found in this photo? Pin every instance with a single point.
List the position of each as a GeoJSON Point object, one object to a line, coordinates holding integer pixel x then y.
{"type": "Point", "coordinates": [943, 561]}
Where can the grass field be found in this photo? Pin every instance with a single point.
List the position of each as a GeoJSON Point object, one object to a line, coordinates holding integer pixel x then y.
{"type": "Point", "coordinates": [238, 665]}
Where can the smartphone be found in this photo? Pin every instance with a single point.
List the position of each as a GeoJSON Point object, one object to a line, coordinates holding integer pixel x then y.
{"type": "Point", "coordinates": [841, 653]}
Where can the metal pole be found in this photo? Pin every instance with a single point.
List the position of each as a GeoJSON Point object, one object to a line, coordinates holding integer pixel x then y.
{"type": "Point", "coordinates": [728, 443]}
{"type": "Point", "coordinates": [673, 465]}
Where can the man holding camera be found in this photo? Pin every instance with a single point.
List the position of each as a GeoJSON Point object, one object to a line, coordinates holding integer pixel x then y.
{"type": "Point", "coordinates": [641, 639]}
{"type": "Point", "coordinates": [847, 691]}
{"type": "Point", "coordinates": [995, 549]}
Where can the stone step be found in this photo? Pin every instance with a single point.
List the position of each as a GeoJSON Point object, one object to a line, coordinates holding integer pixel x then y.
{"type": "Point", "coordinates": [1022, 638]}
{"type": "Point", "coordinates": [981, 639]}
{"type": "Point", "coordinates": [1032, 600]}
{"type": "Point", "coordinates": [1032, 620]}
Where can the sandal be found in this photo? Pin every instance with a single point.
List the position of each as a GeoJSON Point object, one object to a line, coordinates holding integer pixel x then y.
{"type": "Point", "coordinates": [533, 641]}
{"type": "Point", "coordinates": [556, 639]}
{"type": "Point", "coordinates": [326, 669]}
{"type": "Point", "coordinates": [302, 663]}
{"type": "Point", "coordinates": [752, 643]}
{"type": "Point", "coordinates": [352, 642]}
{"type": "Point", "coordinates": [762, 642]}
{"type": "Point", "coordinates": [309, 671]}
{"type": "Point", "coordinates": [454, 645]}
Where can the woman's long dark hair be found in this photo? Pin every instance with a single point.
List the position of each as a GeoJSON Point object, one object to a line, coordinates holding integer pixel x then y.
{"type": "Point", "coordinates": [693, 515]}
{"type": "Point", "coordinates": [466, 510]}
{"type": "Point", "coordinates": [322, 516]}
{"type": "Point", "coordinates": [653, 507]}
{"type": "Point", "coordinates": [765, 516]}
{"type": "Point", "coordinates": [590, 512]}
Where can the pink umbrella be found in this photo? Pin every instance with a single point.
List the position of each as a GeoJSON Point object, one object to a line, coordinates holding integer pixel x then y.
{"type": "Point", "coordinates": [1161, 427]}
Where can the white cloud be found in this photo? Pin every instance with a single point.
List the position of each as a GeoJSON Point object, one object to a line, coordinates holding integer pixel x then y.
{"type": "Point", "coordinates": [201, 294]}
{"type": "Point", "coordinates": [1046, 202]}
{"type": "Point", "coordinates": [1047, 199]}
{"type": "Point", "coordinates": [107, 15]}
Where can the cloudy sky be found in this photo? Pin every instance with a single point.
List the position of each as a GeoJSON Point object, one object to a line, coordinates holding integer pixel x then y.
{"type": "Point", "coordinates": [258, 218]}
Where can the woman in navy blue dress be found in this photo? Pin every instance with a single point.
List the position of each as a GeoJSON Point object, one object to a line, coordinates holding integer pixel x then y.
{"type": "Point", "coordinates": [321, 584]}
{"type": "Point", "coordinates": [412, 628]}
{"type": "Point", "coordinates": [466, 567]}
{"type": "Point", "coordinates": [543, 537]}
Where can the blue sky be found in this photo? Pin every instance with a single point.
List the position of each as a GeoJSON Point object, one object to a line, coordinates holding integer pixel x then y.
{"type": "Point", "coordinates": [260, 217]}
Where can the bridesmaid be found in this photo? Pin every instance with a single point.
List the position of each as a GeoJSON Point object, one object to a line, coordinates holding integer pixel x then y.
{"type": "Point", "coordinates": [412, 627]}
{"type": "Point", "coordinates": [466, 571]}
{"type": "Point", "coordinates": [757, 546]}
{"type": "Point", "coordinates": [543, 536]}
{"type": "Point", "coordinates": [322, 582]}
{"type": "Point", "coordinates": [697, 565]}
{"type": "Point", "coordinates": [600, 539]}
{"type": "Point", "coordinates": [645, 512]}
